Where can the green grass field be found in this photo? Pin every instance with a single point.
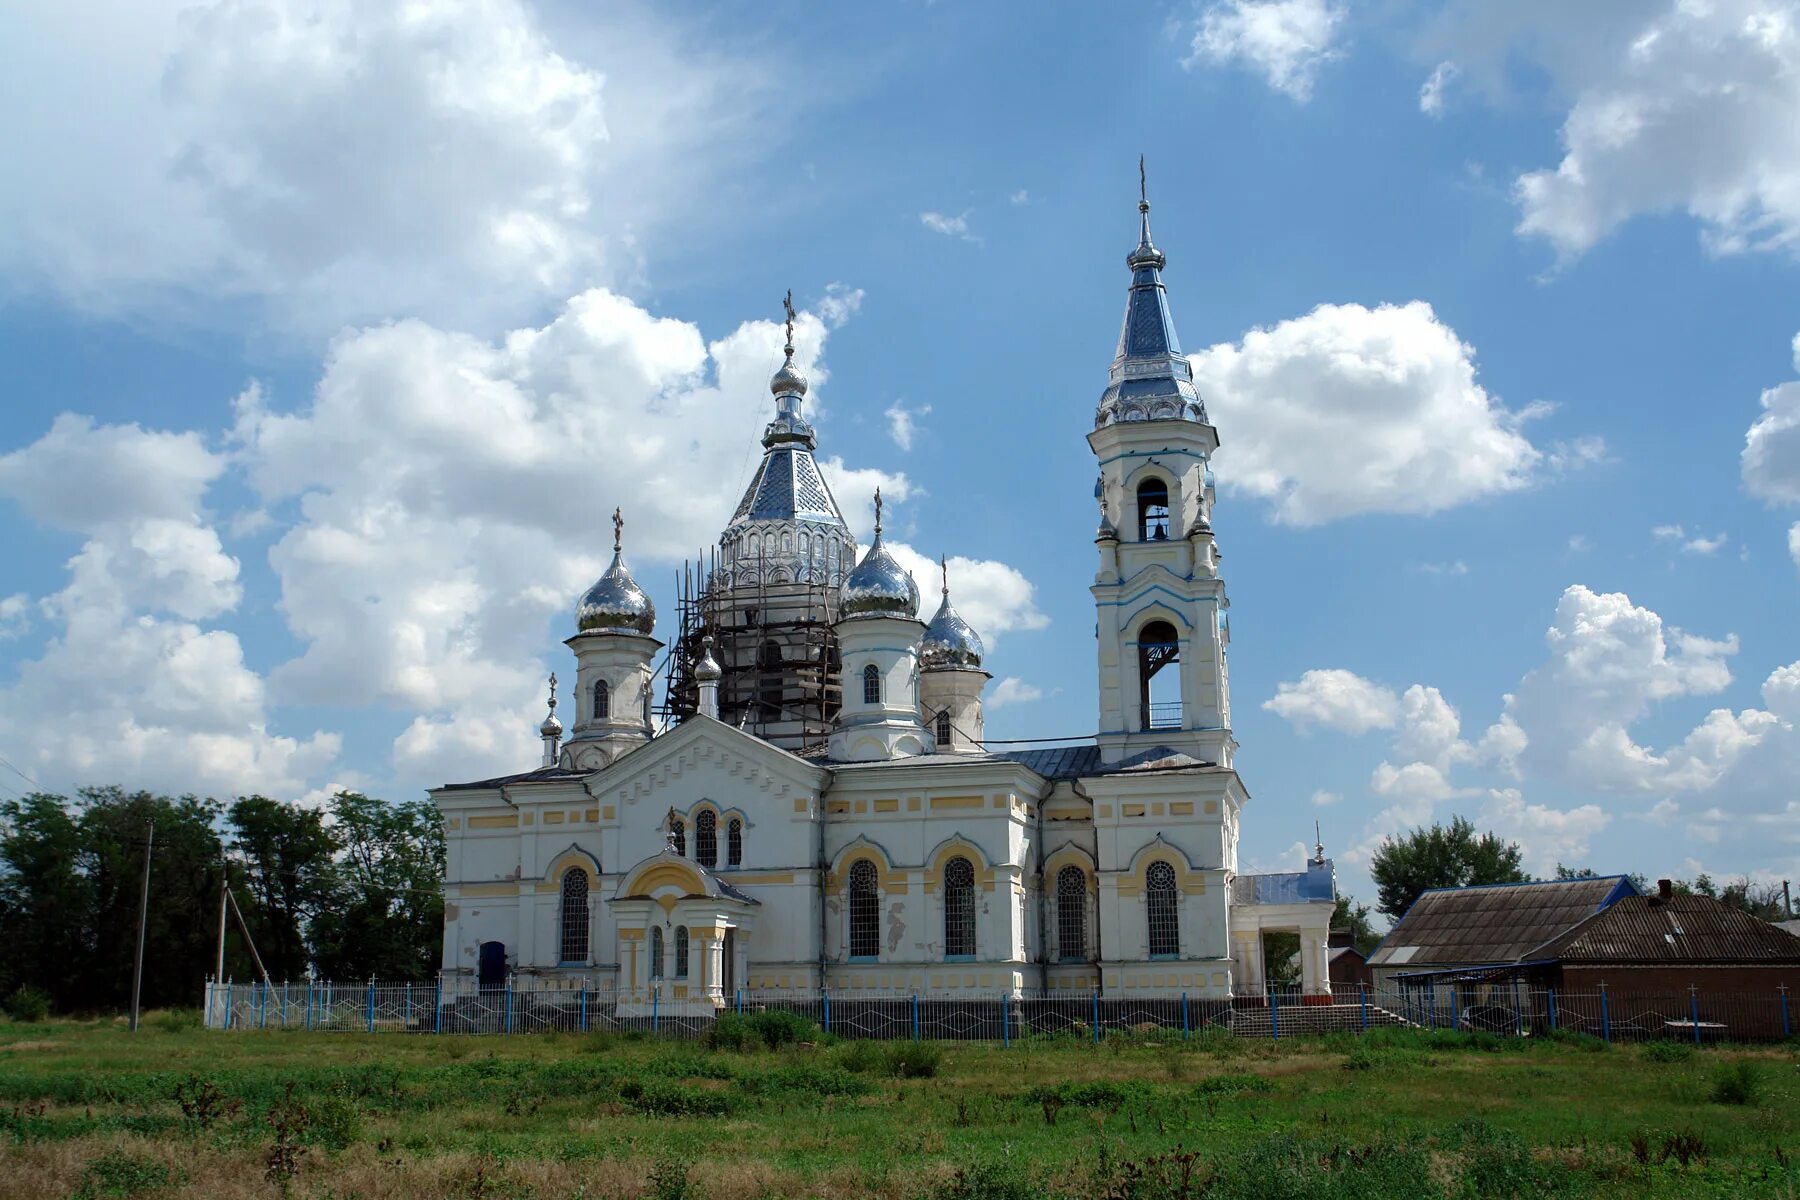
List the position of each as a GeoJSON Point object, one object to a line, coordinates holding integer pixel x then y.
{"type": "Point", "coordinates": [89, 1110]}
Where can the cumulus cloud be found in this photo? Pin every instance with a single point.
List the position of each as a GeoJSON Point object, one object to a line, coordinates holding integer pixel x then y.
{"type": "Point", "coordinates": [1545, 835]}
{"type": "Point", "coordinates": [1770, 461]}
{"type": "Point", "coordinates": [130, 686]}
{"type": "Point", "coordinates": [994, 598]}
{"type": "Point", "coordinates": [1287, 41]}
{"type": "Point", "coordinates": [1333, 698]}
{"type": "Point", "coordinates": [1352, 410]}
{"type": "Point", "coordinates": [331, 161]}
{"type": "Point", "coordinates": [1012, 690]}
{"type": "Point", "coordinates": [1673, 107]}
{"type": "Point", "coordinates": [1431, 92]}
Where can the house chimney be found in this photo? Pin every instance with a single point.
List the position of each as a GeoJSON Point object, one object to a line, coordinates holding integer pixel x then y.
{"type": "Point", "coordinates": [1665, 890]}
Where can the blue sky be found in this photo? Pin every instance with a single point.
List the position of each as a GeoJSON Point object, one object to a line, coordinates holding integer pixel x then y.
{"type": "Point", "coordinates": [333, 333]}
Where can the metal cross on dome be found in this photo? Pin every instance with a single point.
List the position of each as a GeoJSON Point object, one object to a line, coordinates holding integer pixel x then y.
{"type": "Point", "coordinates": [877, 512]}
{"type": "Point", "coordinates": [787, 304]}
{"type": "Point", "coordinates": [553, 691]}
{"type": "Point", "coordinates": [618, 529]}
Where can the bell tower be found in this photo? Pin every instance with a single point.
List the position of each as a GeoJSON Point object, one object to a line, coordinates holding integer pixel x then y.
{"type": "Point", "coordinates": [1158, 596]}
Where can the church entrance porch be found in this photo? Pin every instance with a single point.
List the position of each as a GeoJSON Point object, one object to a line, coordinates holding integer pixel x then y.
{"type": "Point", "coordinates": [683, 938]}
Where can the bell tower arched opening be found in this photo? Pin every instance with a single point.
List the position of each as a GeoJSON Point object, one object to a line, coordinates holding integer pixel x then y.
{"type": "Point", "coordinates": [1159, 686]}
{"type": "Point", "coordinates": [1153, 510]}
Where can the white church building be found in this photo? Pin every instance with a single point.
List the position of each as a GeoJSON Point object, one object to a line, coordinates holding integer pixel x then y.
{"type": "Point", "coordinates": [812, 806]}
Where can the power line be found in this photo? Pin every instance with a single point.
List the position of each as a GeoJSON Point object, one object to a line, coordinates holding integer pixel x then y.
{"type": "Point", "coordinates": [22, 775]}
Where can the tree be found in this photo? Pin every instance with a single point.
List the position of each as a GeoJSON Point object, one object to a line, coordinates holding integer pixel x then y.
{"type": "Point", "coordinates": [386, 917]}
{"type": "Point", "coordinates": [288, 876]}
{"type": "Point", "coordinates": [1355, 917]}
{"type": "Point", "coordinates": [1455, 856]}
{"type": "Point", "coordinates": [44, 899]}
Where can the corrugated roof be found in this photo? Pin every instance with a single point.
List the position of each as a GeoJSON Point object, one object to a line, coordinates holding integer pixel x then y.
{"type": "Point", "coordinates": [1498, 923]}
{"type": "Point", "coordinates": [1060, 762]}
{"type": "Point", "coordinates": [1681, 929]}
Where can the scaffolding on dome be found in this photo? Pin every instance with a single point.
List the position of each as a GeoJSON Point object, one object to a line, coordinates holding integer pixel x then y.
{"type": "Point", "coordinates": [774, 643]}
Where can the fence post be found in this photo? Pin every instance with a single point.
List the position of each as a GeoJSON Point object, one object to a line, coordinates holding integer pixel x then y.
{"type": "Point", "coordinates": [1552, 994]}
{"type": "Point", "coordinates": [285, 1003]}
{"type": "Point", "coordinates": [371, 1006]}
{"type": "Point", "coordinates": [915, 1016]}
{"type": "Point", "coordinates": [825, 997]}
{"type": "Point", "coordinates": [1518, 1021]}
{"type": "Point", "coordinates": [656, 1008]}
{"type": "Point", "coordinates": [1605, 1016]}
{"type": "Point", "coordinates": [1456, 1006]}
{"type": "Point", "coordinates": [1694, 1010]}
{"type": "Point", "coordinates": [1786, 1029]}
{"type": "Point", "coordinates": [228, 1005]}
{"type": "Point", "coordinates": [437, 1007]}
{"type": "Point", "coordinates": [262, 1005]}
{"type": "Point", "coordinates": [409, 1006]}
{"type": "Point", "coordinates": [1184, 1017]}
{"type": "Point", "coordinates": [582, 1019]}
{"type": "Point", "coordinates": [1005, 1021]}
{"type": "Point", "coordinates": [1096, 1015]}
{"type": "Point", "coordinates": [509, 992]}
{"type": "Point", "coordinates": [740, 1001]}
{"type": "Point", "coordinates": [1365, 1006]}
{"type": "Point", "coordinates": [1275, 1014]}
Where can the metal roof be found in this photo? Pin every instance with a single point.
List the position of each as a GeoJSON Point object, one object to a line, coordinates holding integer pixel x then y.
{"type": "Point", "coordinates": [541, 775]}
{"type": "Point", "coordinates": [1060, 762]}
{"type": "Point", "coordinates": [1496, 923]}
{"type": "Point", "coordinates": [1681, 929]}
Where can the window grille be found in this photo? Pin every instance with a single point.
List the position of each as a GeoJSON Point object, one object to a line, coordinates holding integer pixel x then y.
{"type": "Point", "coordinates": [1071, 914]}
{"type": "Point", "coordinates": [706, 840]}
{"type": "Point", "coordinates": [678, 836]}
{"type": "Point", "coordinates": [865, 911]}
{"type": "Point", "coordinates": [734, 842]}
{"type": "Point", "coordinates": [1161, 911]}
{"type": "Point", "coordinates": [959, 909]}
{"type": "Point", "coordinates": [602, 701]}
{"type": "Point", "coordinates": [681, 952]}
{"type": "Point", "coordinates": [574, 915]}
{"type": "Point", "coordinates": [871, 685]}
{"type": "Point", "coordinates": [656, 953]}
{"type": "Point", "coordinates": [943, 729]}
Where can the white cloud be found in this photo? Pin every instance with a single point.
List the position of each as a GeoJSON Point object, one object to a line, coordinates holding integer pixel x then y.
{"type": "Point", "coordinates": [1545, 835]}
{"type": "Point", "coordinates": [1013, 690]}
{"type": "Point", "coordinates": [1668, 533]}
{"type": "Point", "coordinates": [130, 688]}
{"type": "Point", "coordinates": [1770, 462]}
{"type": "Point", "coordinates": [1333, 698]}
{"type": "Point", "coordinates": [15, 615]}
{"type": "Point", "coordinates": [1287, 41]}
{"type": "Point", "coordinates": [1674, 105]}
{"type": "Point", "coordinates": [1580, 543]}
{"type": "Point", "coordinates": [331, 161]}
{"type": "Point", "coordinates": [1704, 545]}
{"type": "Point", "coordinates": [1324, 799]}
{"type": "Point", "coordinates": [1352, 410]}
{"type": "Point", "coordinates": [1431, 92]}
{"type": "Point", "coordinates": [956, 227]}
{"type": "Point", "coordinates": [1020, 197]}
{"type": "Point", "coordinates": [902, 422]}
{"type": "Point", "coordinates": [839, 303]}
{"type": "Point", "coordinates": [452, 494]}
{"type": "Point", "coordinates": [1459, 567]}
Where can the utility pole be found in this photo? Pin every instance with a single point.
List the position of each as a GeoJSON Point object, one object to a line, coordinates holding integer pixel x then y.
{"type": "Point", "coordinates": [137, 974]}
{"type": "Point", "coordinates": [224, 885]}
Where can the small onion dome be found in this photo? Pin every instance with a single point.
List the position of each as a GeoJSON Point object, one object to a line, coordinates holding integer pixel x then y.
{"type": "Point", "coordinates": [879, 586]}
{"type": "Point", "coordinates": [949, 643]}
{"type": "Point", "coordinates": [707, 668]}
{"type": "Point", "coordinates": [788, 378]}
{"type": "Point", "coordinates": [615, 604]}
{"type": "Point", "coordinates": [551, 726]}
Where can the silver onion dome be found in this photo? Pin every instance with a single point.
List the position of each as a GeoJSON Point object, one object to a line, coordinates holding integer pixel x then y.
{"type": "Point", "coordinates": [615, 604]}
{"type": "Point", "coordinates": [707, 667]}
{"type": "Point", "coordinates": [949, 643]}
{"type": "Point", "coordinates": [788, 378]}
{"type": "Point", "coordinates": [879, 586]}
{"type": "Point", "coordinates": [551, 726]}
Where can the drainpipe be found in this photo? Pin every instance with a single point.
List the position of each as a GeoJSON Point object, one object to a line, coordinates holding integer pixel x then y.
{"type": "Point", "coordinates": [1099, 955]}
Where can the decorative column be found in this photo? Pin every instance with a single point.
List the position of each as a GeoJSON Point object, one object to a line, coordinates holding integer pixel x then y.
{"type": "Point", "coordinates": [715, 966]}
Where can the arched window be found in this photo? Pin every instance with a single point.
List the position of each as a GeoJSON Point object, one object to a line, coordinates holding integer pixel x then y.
{"type": "Point", "coordinates": [756, 545]}
{"type": "Point", "coordinates": [865, 911]}
{"type": "Point", "coordinates": [769, 686]}
{"type": "Point", "coordinates": [1071, 914]}
{"type": "Point", "coordinates": [943, 729]}
{"type": "Point", "coordinates": [678, 835]}
{"type": "Point", "coordinates": [656, 952]}
{"type": "Point", "coordinates": [1160, 910]}
{"type": "Point", "coordinates": [706, 839]}
{"type": "Point", "coordinates": [871, 685]}
{"type": "Point", "coordinates": [1153, 511]}
{"type": "Point", "coordinates": [959, 908]}
{"type": "Point", "coordinates": [574, 916]}
{"type": "Point", "coordinates": [681, 952]}
{"type": "Point", "coordinates": [1159, 646]}
{"type": "Point", "coordinates": [602, 701]}
{"type": "Point", "coordinates": [734, 843]}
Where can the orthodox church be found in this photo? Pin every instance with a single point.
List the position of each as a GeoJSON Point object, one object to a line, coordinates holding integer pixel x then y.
{"type": "Point", "coordinates": [813, 805]}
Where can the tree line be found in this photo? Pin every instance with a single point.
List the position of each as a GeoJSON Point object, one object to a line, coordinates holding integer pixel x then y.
{"type": "Point", "coordinates": [351, 890]}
